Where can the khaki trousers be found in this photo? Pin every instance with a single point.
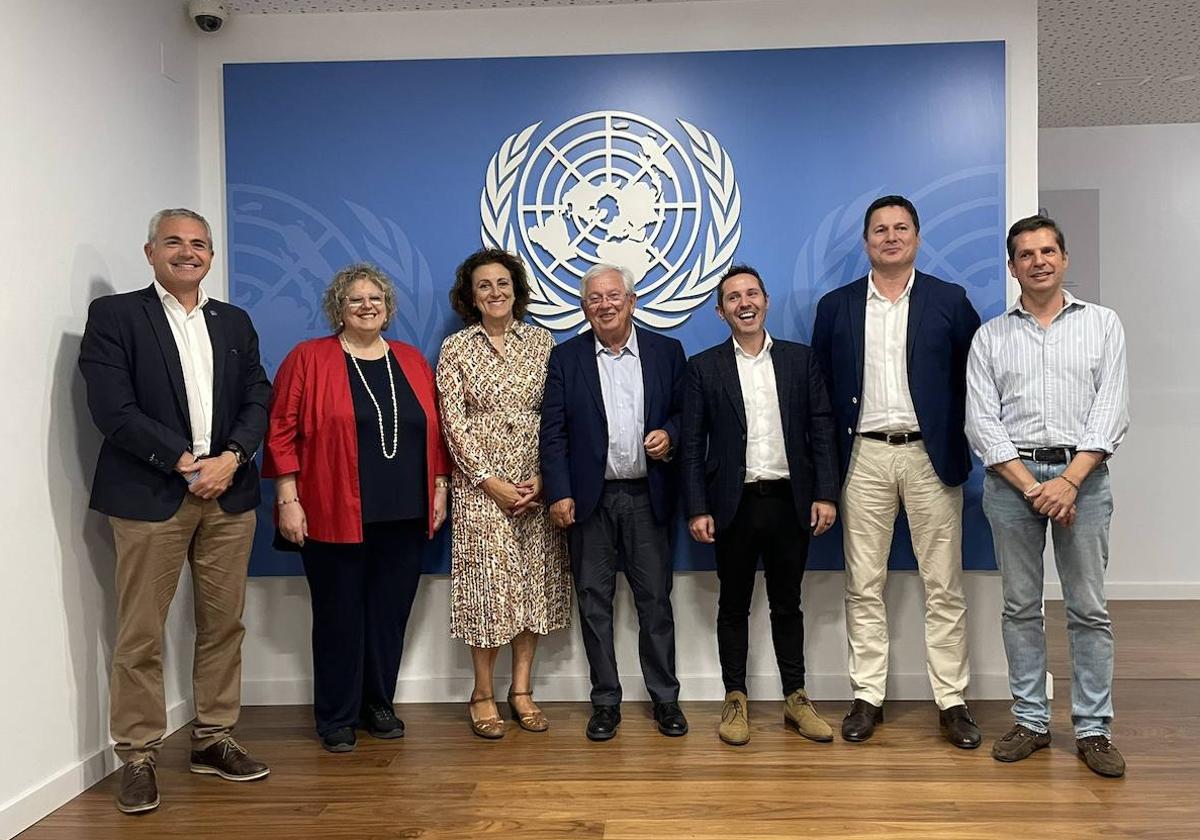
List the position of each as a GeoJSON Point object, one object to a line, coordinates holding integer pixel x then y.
{"type": "Point", "coordinates": [150, 557]}
{"type": "Point", "coordinates": [881, 476]}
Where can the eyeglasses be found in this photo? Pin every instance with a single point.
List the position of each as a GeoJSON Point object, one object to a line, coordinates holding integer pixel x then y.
{"type": "Point", "coordinates": [615, 298]}
{"type": "Point", "coordinates": [374, 302]}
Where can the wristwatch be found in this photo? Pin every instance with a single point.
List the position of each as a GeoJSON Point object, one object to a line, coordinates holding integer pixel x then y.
{"type": "Point", "coordinates": [238, 452]}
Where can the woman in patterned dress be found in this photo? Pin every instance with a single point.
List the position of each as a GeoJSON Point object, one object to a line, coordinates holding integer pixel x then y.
{"type": "Point", "coordinates": [509, 578]}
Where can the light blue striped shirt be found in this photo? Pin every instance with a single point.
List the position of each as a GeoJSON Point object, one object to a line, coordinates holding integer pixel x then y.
{"type": "Point", "coordinates": [624, 408]}
{"type": "Point", "coordinates": [1061, 386]}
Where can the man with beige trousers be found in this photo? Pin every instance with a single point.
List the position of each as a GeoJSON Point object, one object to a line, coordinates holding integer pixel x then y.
{"type": "Point", "coordinates": [893, 348]}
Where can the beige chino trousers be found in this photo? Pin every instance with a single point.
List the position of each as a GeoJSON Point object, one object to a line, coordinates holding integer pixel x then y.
{"type": "Point", "coordinates": [150, 557]}
{"type": "Point", "coordinates": [881, 476]}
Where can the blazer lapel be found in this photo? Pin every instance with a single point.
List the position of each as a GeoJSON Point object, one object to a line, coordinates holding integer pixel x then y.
{"type": "Point", "coordinates": [589, 367]}
{"type": "Point", "coordinates": [781, 363]}
{"type": "Point", "coordinates": [731, 382]}
{"type": "Point", "coordinates": [916, 309]}
{"type": "Point", "coordinates": [166, 342]}
{"type": "Point", "coordinates": [857, 301]}
{"type": "Point", "coordinates": [220, 346]}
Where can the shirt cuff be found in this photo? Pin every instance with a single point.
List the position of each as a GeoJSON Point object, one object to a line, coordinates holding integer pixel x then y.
{"type": "Point", "coordinates": [1095, 443]}
{"type": "Point", "coordinates": [999, 453]}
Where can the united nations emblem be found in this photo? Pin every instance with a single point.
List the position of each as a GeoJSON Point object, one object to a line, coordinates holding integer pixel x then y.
{"type": "Point", "coordinates": [614, 187]}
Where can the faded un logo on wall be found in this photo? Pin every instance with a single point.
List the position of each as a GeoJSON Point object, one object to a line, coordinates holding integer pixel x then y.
{"type": "Point", "coordinates": [614, 187]}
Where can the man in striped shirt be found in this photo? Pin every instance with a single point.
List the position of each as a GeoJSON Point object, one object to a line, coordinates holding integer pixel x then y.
{"type": "Point", "coordinates": [1047, 404]}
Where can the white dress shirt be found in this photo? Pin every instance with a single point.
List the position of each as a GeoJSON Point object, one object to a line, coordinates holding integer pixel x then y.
{"type": "Point", "coordinates": [766, 458]}
{"type": "Point", "coordinates": [887, 404]}
{"type": "Point", "coordinates": [195, 356]}
{"type": "Point", "coordinates": [624, 408]}
{"type": "Point", "coordinates": [1064, 385]}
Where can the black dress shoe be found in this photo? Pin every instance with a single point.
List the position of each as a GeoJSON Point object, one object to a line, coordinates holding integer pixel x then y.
{"type": "Point", "coordinates": [380, 721]}
{"type": "Point", "coordinates": [604, 722]}
{"type": "Point", "coordinates": [670, 719]}
{"type": "Point", "coordinates": [859, 723]}
{"type": "Point", "coordinates": [960, 728]}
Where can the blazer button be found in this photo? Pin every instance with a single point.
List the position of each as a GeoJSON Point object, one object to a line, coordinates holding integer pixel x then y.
{"type": "Point", "coordinates": [850, 432]}
{"type": "Point", "coordinates": [854, 400]}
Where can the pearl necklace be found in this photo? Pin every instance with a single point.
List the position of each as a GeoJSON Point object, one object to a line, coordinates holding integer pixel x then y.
{"type": "Point", "coordinates": [378, 411]}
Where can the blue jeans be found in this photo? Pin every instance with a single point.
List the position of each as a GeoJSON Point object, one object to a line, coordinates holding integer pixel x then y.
{"type": "Point", "coordinates": [1081, 554]}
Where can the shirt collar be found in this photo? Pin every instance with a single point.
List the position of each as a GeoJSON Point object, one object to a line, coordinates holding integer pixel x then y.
{"type": "Point", "coordinates": [631, 346]}
{"type": "Point", "coordinates": [168, 299]}
{"type": "Point", "coordinates": [1069, 302]}
{"type": "Point", "coordinates": [517, 328]}
{"type": "Point", "coordinates": [874, 292]}
{"type": "Point", "coordinates": [766, 348]}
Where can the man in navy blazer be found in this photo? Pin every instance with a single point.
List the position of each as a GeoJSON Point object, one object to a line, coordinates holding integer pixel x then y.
{"type": "Point", "coordinates": [610, 422]}
{"type": "Point", "coordinates": [893, 346]}
{"type": "Point", "coordinates": [759, 465]}
{"type": "Point", "coordinates": [175, 385]}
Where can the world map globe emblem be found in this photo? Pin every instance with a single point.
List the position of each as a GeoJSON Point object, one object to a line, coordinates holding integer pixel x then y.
{"type": "Point", "coordinates": [614, 187]}
{"type": "Point", "coordinates": [609, 187]}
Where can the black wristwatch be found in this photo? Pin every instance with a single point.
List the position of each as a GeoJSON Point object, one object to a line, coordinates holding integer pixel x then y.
{"type": "Point", "coordinates": [238, 452]}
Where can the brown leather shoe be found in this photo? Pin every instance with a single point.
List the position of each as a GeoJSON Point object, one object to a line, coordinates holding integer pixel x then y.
{"type": "Point", "coordinates": [798, 713]}
{"type": "Point", "coordinates": [1101, 756]}
{"type": "Point", "coordinates": [735, 720]}
{"type": "Point", "coordinates": [139, 787]}
{"type": "Point", "coordinates": [859, 723]}
{"type": "Point", "coordinates": [229, 760]}
{"type": "Point", "coordinates": [959, 727]}
{"type": "Point", "coordinates": [1018, 743]}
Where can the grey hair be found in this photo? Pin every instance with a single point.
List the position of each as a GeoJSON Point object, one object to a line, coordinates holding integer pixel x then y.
{"type": "Point", "coordinates": [605, 268]}
{"type": "Point", "coordinates": [334, 300]}
{"type": "Point", "coordinates": [175, 213]}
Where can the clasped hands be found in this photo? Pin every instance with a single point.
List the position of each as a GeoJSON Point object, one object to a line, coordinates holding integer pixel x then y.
{"type": "Point", "coordinates": [514, 498]}
{"type": "Point", "coordinates": [1054, 498]}
{"type": "Point", "coordinates": [207, 478]}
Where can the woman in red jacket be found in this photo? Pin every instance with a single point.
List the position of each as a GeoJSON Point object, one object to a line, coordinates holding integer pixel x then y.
{"type": "Point", "coordinates": [358, 493]}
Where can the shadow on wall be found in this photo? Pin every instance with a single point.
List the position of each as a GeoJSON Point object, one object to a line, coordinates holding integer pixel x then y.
{"type": "Point", "coordinates": [85, 541]}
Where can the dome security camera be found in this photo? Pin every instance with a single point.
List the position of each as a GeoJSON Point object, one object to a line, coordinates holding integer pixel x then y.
{"type": "Point", "coordinates": [208, 15]}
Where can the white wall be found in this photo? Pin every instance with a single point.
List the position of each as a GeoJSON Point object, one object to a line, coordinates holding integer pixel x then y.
{"type": "Point", "coordinates": [95, 139]}
{"type": "Point", "coordinates": [277, 665]}
{"type": "Point", "coordinates": [1148, 177]}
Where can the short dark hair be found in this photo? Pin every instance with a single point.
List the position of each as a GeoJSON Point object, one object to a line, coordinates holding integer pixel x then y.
{"type": "Point", "coordinates": [734, 270]}
{"type": "Point", "coordinates": [1032, 223]}
{"type": "Point", "coordinates": [462, 295]}
{"type": "Point", "coordinates": [891, 201]}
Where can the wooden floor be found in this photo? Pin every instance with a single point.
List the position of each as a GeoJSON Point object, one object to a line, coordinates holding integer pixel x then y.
{"type": "Point", "coordinates": [441, 782]}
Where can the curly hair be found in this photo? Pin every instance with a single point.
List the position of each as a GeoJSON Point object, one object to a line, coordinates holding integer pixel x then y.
{"type": "Point", "coordinates": [462, 295]}
{"type": "Point", "coordinates": [334, 300]}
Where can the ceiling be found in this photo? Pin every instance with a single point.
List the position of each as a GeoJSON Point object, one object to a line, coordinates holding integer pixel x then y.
{"type": "Point", "coordinates": [1100, 62]}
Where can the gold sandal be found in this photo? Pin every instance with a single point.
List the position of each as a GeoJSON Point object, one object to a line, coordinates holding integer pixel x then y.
{"type": "Point", "coordinates": [490, 728]}
{"type": "Point", "coordinates": [529, 721]}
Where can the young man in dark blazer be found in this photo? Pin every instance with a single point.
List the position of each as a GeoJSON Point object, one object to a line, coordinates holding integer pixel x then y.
{"type": "Point", "coordinates": [893, 347]}
{"type": "Point", "coordinates": [610, 422]}
{"type": "Point", "coordinates": [759, 465]}
{"type": "Point", "coordinates": [175, 385]}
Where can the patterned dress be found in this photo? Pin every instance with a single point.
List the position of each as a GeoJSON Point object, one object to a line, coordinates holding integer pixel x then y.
{"type": "Point", "coordinates": [507, 575]}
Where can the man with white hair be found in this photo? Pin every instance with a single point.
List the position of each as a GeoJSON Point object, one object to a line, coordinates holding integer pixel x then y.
{"type": "Point", "coordinates": [610, 422]}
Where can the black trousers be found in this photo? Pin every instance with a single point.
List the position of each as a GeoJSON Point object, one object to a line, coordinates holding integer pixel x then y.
{"type": "Point", "coordinates": [764, 526]}
{"type": "Point", "coordinates": [362, 594]}
{"type": "Point", "coordinates": [622, 528]}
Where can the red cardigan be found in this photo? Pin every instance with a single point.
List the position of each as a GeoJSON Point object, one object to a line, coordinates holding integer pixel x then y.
{"type": "Point", "coordinates": [312, 433]}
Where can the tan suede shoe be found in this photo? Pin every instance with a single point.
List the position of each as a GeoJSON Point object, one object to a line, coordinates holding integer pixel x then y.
{"type": "Point", "coordinates": [798, 713]}
{"type": "Point", "coordinates": [735, 720]}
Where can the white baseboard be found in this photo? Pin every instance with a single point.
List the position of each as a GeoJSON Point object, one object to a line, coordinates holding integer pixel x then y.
{"type": "Point", "coordinates": [1138, 591]}
{"type": "Point", "coordinates": [556, 688]}
{"type": "Point", "coordinates": [26, 808]}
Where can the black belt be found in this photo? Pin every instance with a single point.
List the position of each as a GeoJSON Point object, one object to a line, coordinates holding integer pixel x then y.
{"type": "Point", "coordinates": [629, 483]}
{"type": "Point", "coordinates": [774, 487]}
{"type": "Point", "coordinates": [1048, 454]}
{"type": "Point", "coordinates": [892, 438]}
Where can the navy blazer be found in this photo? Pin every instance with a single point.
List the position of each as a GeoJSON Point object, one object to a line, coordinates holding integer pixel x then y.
{"type": "Point", "coordinates": [135, 391]}
{"type": "Point", "coordinates": [941, 324]}
{"type": "Point", "coordinates": [712, 454]}
{"type": "Point", "coordinates": [574, 431]}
